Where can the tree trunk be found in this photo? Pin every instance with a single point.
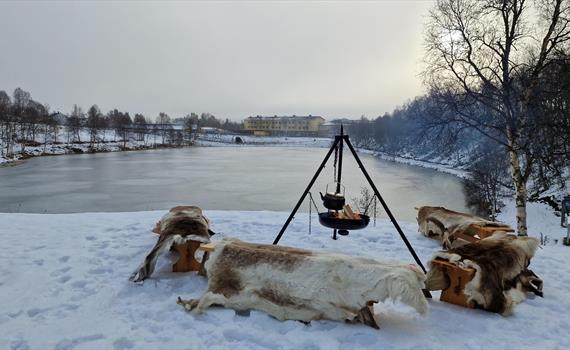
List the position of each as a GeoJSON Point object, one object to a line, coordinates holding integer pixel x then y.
{"type": "Point", "coordinates": [520, 191]}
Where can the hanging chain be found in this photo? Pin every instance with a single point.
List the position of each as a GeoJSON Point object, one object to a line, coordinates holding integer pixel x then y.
{"type": "Point", "coordinates": [335, 160]}
{"type": "Point", "coordinates": [375, 209]}
{"type": "Point", "coordinates": [310, 196]}
{"type": "Point", "coordinates": [311, 200]}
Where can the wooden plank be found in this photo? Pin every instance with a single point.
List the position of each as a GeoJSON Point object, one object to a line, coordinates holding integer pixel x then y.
{"type": "Point", "coordinates": [207, 247]}
{"type": "Point", "coordinates": [465, 237]}
{"type": "Point", "coordinates": [487, 231]}
{"type": "Point", "coordinates": [186, 262]}
{"type": "Point", "coordinates": [458, 278]}
{"type": "Point", "coordinates": [348, 211]}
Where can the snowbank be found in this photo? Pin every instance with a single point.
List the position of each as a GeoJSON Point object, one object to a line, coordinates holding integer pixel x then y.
{"type": "Point", "coordinates": [441, 167]}
{"type": "Point", "coordinates": [228, 140]}
{"type": "Point", "coordinates": [63, 285]}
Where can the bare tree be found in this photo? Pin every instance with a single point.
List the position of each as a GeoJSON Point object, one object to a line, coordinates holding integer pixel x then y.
{"type": "Point", "coordinates": [7, 125]}
{"type": "Point", "coordinates": [74, 123]}
{"type": "Point", "coordinates": [140, 126]}
{"type": "Point", "coordinates": [94, 117]}
{"type": "Point", "coordinates": [492, 53]}
{"type": "Point", "coordinates": [163, 122]}
{"type": "Point", "coordinates": [21, 101]}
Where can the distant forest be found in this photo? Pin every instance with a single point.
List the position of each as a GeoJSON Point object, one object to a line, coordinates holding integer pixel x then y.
{"type": "Point", "coordinates": [24, 121]}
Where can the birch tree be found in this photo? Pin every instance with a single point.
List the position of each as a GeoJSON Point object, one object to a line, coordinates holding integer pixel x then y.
{"type": "Point", "coordinates": [492, 53]}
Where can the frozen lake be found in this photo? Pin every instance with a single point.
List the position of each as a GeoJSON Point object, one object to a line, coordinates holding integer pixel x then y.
{"type": "Point", "coordinates": [222, 178]}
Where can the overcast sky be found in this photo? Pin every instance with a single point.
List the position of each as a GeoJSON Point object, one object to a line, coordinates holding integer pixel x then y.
{"type": "Point", "coordinates": [233, 59]}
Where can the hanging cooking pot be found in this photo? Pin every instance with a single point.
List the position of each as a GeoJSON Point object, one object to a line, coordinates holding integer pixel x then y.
{"type": "Point", "coordinates": [334, 199]}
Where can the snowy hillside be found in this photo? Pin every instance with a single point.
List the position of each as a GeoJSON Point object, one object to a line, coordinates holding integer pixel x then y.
{"type": "Point", "coordinates": [63, 285]}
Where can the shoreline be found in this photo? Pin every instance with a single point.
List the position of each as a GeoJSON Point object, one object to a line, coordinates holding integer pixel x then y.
{"type": "Point", "coordinates": [79, 148]}
{"type": "Point", "coordinates": [221, 141]}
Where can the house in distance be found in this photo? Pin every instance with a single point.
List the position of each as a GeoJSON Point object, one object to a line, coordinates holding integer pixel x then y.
{"type": "Point", "coordinates": [284, 125]}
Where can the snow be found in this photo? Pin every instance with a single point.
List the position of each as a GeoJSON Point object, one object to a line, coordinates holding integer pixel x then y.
{"type": "Point", "coordinates": [441, 167]}
{"type": "Point", "coordinates": [228, 140]}
{"type": "Point", "coordinates": [63, 285]}
{"type": "Point", "coordinates": [540, 220]}
{"type": "Point", "coordinates": [106, 142]}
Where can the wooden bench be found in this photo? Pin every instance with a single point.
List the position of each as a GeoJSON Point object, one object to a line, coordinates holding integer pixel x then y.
{"type": "Point", "coordinates": [458, 277]}
{"type": "Point", "coordinates": [476, 232]}
{"type": "Point", "coordinates": [487, 231]}
{"type": "Point", "coordinates": [187, 261]}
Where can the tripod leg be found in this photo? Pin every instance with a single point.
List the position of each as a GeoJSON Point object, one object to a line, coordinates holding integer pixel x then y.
{"type": "Point", "coordinates": [317, 173]}
{"type": "Point", "coordinates": [385, 206]}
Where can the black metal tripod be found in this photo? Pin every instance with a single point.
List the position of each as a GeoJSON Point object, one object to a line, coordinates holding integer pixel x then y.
{"type": "Point", "coordinates": [338, 141]}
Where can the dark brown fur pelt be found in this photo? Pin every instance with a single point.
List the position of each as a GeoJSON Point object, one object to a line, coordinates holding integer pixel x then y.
{"type": "Point", "coordinates": [501, 262]}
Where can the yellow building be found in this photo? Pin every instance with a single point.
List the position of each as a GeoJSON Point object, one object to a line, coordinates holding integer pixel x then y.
{"type": "Point", "coordinates": [284, 125]}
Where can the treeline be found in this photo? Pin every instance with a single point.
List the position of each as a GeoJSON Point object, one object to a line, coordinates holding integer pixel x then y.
{"type": "Point", "coordinates": [498, 76]}
{"type": "Point", "coordinates": [25, 122]}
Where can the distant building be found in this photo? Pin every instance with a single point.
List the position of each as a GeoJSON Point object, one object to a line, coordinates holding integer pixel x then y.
{"type": "Point", "coordinates": [284, 125]}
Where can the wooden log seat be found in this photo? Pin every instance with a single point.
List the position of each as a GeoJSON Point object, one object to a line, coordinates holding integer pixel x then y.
{"type": "Point", "coordinates": [187, 261]}
{"type": "Point", "coordinates": [486, 231]}
{"type": "Point", "coordinates": [457, 277]}
{"type": "Point", "coordinates": [491, 273]}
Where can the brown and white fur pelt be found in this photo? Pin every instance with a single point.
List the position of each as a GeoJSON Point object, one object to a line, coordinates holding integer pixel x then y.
{"type": "Point", "coordinates": [443, 224]}
{"type": "Point", "coordinates": [502, 277]}
{"type": "Point", "coordinates": [296, 284]}
{"type": "Point", "coordinates": [180, 225]}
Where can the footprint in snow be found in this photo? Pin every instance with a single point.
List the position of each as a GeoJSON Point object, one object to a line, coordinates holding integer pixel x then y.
{"type": "Point", "coordinates": [79, 284]}
{"type": "Point", "coordinates": [19, 344]}
{"type": "Point", "coordinates": [64, 279]}
{"type": "Point", "coordinates": [90, 238]}
{"type": "Point", "coordinates": [33, 312]}
{"type": "Point", "coordinates": [15, 314]}
{"type": "Point", "coordinates": [60, 272]}
{"type": "Point", "coordinates": [100, 270]}
{"type": "Point", "coordinates": [123, 344]}
{"type": "Point", "coordinates": [69, 344]}
{"type": "Point", "coordinates": [104, 245]}
{"type": "Point", "coordinates": [64, 259]}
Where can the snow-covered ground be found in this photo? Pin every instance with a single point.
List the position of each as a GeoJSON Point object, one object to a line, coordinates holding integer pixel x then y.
{"type": "Point", "coordinates": [63, 285]}
{"type": "Point", "coordinates": [107, 141]}
{"type": "Point", "coordinates": [442, 167]}
{"type": "Point", "coordinates": [227, 140]}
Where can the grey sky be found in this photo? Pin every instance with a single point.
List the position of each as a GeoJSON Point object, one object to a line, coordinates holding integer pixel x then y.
{"type": "Point", "coordinates": [232, 59]}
